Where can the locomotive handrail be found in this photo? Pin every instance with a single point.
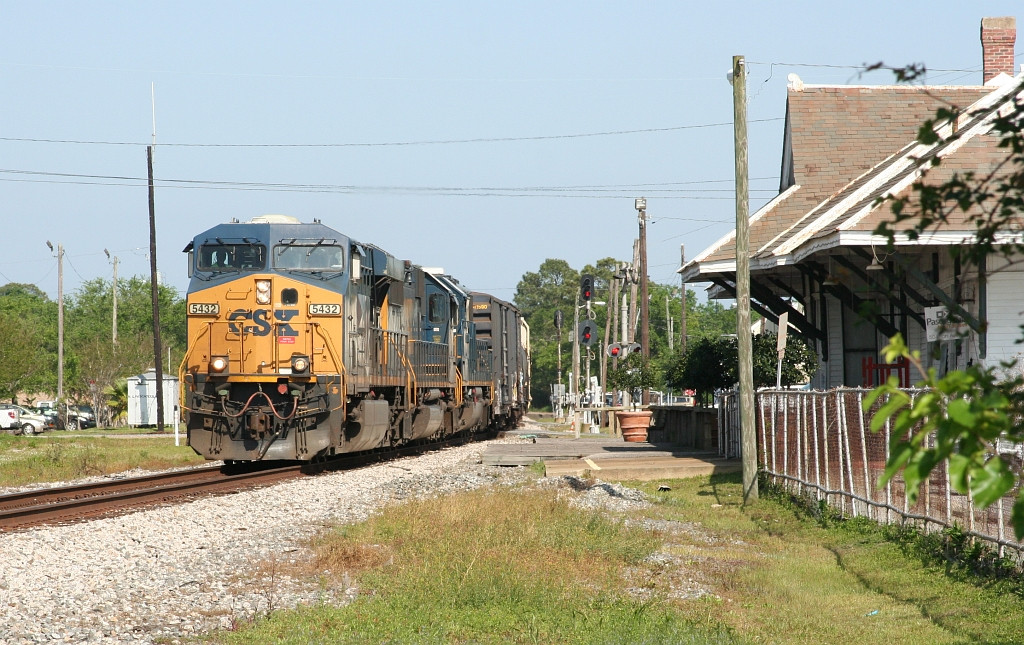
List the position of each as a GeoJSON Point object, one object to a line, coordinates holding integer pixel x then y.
{"type": "Point", "coordinates": [330, 347]}
{"type": "Point", "coordinates": [181, 368]}
{"type": "Point", "coordinates": [342, 373]}
{"type": "Point", "coordinates": [458, 388]}
{"type": "Point", "coordinates": [410, 376]}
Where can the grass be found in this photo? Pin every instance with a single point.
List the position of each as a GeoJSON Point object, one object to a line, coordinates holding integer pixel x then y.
{"type": "Point", "coordinates": [484, 567]}
{"type": "Point", "coordinates": [523, 566]}
{"type": "Point", "coordinates": [125, 430]}
{"type": "Point", "coordinates": [785, 574]}
{"type": "Point", "coordinates": [31, 460]}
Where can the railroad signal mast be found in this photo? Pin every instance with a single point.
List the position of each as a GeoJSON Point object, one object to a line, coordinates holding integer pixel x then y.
{"type": "Point", "coordinates": [586, 336]}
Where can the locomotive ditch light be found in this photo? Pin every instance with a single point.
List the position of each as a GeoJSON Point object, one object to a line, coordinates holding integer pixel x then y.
{"type": "Point", "coordinates": [218, 364]}
{"type": "Point", "coordinates": [300, 364]}
{"type": "Point", "coordinates": [263, 292]}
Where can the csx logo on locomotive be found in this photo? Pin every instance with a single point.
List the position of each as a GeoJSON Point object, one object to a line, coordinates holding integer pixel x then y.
{"type": "Point", "coordinates": [261, 324]}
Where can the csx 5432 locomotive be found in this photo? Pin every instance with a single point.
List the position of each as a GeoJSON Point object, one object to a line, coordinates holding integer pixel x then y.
{"type": "Point", "coordinates": [304, 343]}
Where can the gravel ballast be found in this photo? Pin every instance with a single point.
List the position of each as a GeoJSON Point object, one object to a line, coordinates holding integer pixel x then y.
{"type": "Point", "coordinates": [178, 571]}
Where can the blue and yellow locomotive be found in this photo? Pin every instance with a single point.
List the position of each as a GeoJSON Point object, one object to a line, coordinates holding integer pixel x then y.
{"type": "Point", "coordinates": [304, 343]}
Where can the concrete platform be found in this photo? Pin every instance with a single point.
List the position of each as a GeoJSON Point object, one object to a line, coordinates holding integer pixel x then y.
{"type": "Point", "coordinates": [610, 459]}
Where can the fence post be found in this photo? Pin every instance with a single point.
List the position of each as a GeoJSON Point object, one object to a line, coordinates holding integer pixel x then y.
{"type": "Point", "coordinates": [784, 404]}
{"type": "Point", "coordinates": [868, 488]}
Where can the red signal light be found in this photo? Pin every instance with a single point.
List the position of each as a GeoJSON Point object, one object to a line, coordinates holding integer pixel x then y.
{"type": "Point", "coordinates": [587, 332]}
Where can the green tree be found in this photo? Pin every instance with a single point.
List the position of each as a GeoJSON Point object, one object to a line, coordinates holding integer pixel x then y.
{"type": "Point", "coordinates": [29, 336]}
{"type": "Point", "coordinates": [966, 411]}
{"type": "Point", "coordinates": [553, 287]}
{"type": "Point", "coordinates": [709, 364]}
{"type": "Point", "coordinates": [799, 363]}
{"type": "Point", "coordinates": [116, 401]}
{"type": "Point", "coordinates": [712, 364]}
{"type": "Point", "coordinates": [633, 374]}
{"type": "Point", "coordinates": [28, 327]}
{"type": "Point", "coordinates": [21, 357]}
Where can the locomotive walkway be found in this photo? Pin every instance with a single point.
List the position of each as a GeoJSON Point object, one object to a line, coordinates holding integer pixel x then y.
{"type": "Point", "coordinates": [606, 458]}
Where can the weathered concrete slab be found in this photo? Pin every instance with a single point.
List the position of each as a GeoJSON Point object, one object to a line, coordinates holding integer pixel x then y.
{"type": "Point", "coordinates": [641, 469]}
{"type": "Point", "coordinates": [608, 458]}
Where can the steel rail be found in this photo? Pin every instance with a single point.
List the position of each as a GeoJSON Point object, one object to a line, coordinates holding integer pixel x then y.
{"type": "Point", "coordinates": [81, 501]}
{"type": "Point", "coordinates": [99, 499]}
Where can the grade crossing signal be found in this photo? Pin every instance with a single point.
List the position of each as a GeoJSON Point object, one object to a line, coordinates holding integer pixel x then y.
{"type": "Point", "coordinates": [631, 348]}
{"type": "Point", "coordinates": [588, 333]}
{"type": "Point", "coordinates": [586, 287]}
{"type": "Point", "coordinates": [614, 350]}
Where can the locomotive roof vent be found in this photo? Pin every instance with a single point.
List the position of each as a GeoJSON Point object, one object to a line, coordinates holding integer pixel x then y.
{"type": "Point", "coordinates": [274, 219]}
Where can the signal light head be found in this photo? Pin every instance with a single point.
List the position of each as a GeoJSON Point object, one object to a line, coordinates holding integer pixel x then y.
{"type": "Point", "coordinates": [588, 332]}
{"type": "Point", "coordinates": [586, 287]}
{"type": "Point", "coordinates": [614, 350]}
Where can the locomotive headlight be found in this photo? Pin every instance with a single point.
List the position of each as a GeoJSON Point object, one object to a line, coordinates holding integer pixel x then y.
{"type": "Point", "coordinates": [218, 364]}
{"type": "Point", "coordinates": [263, 292]}
{"type": "Point", "coordinates": [300, 364]}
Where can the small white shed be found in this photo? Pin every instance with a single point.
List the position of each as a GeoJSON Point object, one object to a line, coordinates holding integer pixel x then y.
{"type": "Point", "coordinates": [142, 399]}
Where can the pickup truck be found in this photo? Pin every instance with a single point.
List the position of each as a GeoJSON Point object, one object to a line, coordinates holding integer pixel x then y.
{"type": "Point", "coordinates": [72, 419]}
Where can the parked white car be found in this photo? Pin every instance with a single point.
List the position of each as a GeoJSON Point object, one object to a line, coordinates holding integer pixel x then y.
{"type": "Point", "coordinates": [9, 419]}
{"type": "Point", "coordinates": [28, 421]}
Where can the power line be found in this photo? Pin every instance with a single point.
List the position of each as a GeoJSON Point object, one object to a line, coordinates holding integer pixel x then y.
{"type": "Point", "coordinates": [596, 192]}
{"type": "Point", "coordinates": [378, 144]}
{"type": "Point", "coordinates": [864, 67]}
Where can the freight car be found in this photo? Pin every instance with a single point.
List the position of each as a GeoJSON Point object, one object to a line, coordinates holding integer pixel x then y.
{"type": "Point", "coordinates": [304, 343]}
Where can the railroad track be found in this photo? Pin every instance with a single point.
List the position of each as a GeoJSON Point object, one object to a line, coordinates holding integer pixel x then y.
{"type": "Point", "coordinates": [89, 501]}
{"type": "Point", "coordinates": [79, 502]}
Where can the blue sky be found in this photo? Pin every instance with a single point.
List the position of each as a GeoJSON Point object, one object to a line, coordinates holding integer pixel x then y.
{"type": "Point", "coordinates": [483, 137]}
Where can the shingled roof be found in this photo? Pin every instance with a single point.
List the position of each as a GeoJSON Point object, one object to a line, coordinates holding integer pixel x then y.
{"type": "Point", "coordinates": [969, 145]}
{"type": "Point", "coordinates": [834, 136]}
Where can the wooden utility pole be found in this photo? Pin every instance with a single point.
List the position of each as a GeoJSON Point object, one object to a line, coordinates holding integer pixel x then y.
{"type": "Point", "coordinates": [682, 310]}
{"type": "Point", "coordinates": [113, 292]}
{"type": "Point", "coordinates": [633, 281]}
{"type": "Point", "coordinates": [155, 288]}
{"type": "Point", "coordinates": [748, 432]}
{"type": "Point", "coordinates": [641, 206]}
{"type": "Point", "coordinates": [645, 319]}
{"type": "Point", "coordinates": [60, 325]}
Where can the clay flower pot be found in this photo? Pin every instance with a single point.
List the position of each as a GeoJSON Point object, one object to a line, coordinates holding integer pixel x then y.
{"type": "Point", "coordinates": [634, 424]}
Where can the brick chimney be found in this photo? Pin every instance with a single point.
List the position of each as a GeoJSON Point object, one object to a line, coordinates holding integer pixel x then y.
{"type": "Point", "coordinates": [998, 36]}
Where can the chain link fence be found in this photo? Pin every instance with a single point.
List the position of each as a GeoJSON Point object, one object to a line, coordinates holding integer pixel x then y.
{"type": "Point", "coordinates": [820, 444]}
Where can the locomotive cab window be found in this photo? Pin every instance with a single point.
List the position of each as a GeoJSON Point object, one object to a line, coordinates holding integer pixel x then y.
{"type": "Point", "coordinates": [309, 257]}
{"type": "Point", "coordinates": [437, 308]}
{"type": "Point", "coordinates": [232, 257]}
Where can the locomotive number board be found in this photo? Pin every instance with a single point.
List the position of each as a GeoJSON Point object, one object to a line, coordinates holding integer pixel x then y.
{"type": "Point", "coordinates": [333, 309]}
{"type": "Point", "coordinates": [203, 308]}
